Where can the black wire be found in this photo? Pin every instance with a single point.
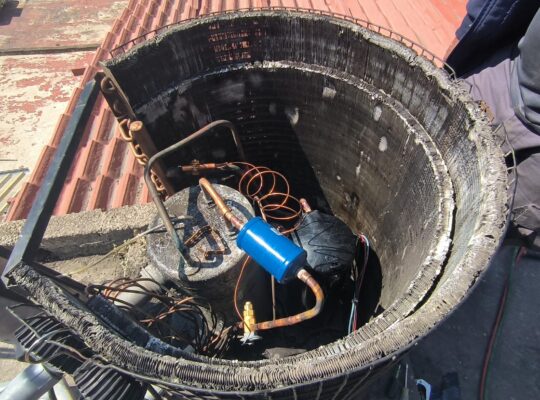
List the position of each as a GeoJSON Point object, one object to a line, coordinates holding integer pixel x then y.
{"type": "Point", "coordinates": [515, 170]}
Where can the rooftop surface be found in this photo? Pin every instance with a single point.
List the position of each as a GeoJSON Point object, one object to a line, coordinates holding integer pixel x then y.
{"type": "Point", "coordinates": [49, 49]}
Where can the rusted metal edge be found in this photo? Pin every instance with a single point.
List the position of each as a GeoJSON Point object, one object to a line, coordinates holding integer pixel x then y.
{"type": "Point", "coordinates": [384, 31]}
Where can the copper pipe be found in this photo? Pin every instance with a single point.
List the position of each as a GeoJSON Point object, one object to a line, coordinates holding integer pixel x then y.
{"type": "Point", "coordinates": [237, 286]}
{"type": "Point", "coordinates": [273, 205]}
{"type": "Point", "coordinates": [223, 208]}
{"type": "Point", "coordinates": [142, 140]}
{"type": "Point", "coordinates": [305, 277]}
{"type": "Point", "coordinates": [305, 206]}
{"type": "Point", "coordinates": [196, 168]}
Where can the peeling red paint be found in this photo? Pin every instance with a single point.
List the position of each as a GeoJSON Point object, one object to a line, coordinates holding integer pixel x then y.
{"type": "Point", "coordinates": [57, 23]}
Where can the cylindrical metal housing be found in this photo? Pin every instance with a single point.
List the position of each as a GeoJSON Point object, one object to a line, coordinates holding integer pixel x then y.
{"type": "Point", "coordinates": [212, 257]}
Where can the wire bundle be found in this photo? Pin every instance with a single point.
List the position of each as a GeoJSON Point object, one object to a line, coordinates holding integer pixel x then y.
{"type": "Point", "coordinates": [175, 319]}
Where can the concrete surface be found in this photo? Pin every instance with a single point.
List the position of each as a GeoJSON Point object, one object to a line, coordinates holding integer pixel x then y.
{"type": "Point", "coordinates": [85, 234]}
{"type": "Point", "coordinates": [32, 25]}
{"type": "Point", "coordinates": [9, 368]}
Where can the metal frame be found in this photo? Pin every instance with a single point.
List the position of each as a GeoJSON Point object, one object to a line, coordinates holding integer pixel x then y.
{"type": "Point", "coordinates": [34, 228]}
{"type": "Point", "coordinates": [175, 147]}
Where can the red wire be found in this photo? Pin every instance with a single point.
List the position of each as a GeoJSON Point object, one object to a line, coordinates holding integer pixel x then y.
{"type": "Point", "coordinates": [495, 329]}
{"type": "Point", "coordinates": [491, 342]}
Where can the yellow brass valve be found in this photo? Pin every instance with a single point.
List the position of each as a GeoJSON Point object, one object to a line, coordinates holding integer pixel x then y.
{"type": "Point", "coordinates": [249, 324]}
{"type": "Point", "coordinates": [249, 318]}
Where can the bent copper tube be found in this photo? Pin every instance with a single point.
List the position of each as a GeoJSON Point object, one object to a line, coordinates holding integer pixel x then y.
{"type": "Point", "coordinates": [305, 277]}
{"type": "Point", "coordinates": [196, 169]}
{"type": "Point", "coordinates": [152, 189]}
{"type": "Point", "coordinates": [305, 206]}
{"type": "Point", "coordinates": [223, 209]}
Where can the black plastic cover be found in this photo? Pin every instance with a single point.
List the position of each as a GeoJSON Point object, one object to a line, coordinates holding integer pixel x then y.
{"type": "Point", "coordinates": [328, 241]}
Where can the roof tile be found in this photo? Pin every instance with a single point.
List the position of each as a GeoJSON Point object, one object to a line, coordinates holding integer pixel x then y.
{"type": "Point", "coordinates": [105, 173]}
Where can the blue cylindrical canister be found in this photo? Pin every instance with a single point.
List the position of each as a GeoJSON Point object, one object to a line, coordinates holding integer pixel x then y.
{"type": "Point", "coordinates": [271, 250]}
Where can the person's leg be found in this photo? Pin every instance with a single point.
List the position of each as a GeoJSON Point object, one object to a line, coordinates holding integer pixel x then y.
{"type": "Point", "coordinates": [526, 210]}
{"type": "Point", "coordinates": [491, 84]}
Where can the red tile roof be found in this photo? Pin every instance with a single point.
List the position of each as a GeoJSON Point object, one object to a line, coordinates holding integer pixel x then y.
{"type": "Point", "coordinates": [105, 173]}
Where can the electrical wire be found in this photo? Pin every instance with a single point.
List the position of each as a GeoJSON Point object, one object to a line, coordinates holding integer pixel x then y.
{"type": "Point", "coordinates": [502, 302]}
{"type": "Point", "coordinates": [121, 246]}
{"type": "Point", "coordinates": [140, 314]}
{"type": "Point", "coordinates": [486, 366]}
{"type": "Point", "coordinates": [358, 278]}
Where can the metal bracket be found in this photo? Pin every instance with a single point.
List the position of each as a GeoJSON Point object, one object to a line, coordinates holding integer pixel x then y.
{"type": "Point", "coordinates": [171, 149]}
{"type": "Point", "coordinates": [51, 187]}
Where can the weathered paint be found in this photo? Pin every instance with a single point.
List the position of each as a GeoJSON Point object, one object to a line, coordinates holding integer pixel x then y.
{"type": "Point", "coordinates": [35, 91]}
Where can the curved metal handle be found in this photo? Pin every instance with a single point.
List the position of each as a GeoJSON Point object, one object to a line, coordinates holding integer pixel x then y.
{"type": "Point", "coordinates": [152, 189]}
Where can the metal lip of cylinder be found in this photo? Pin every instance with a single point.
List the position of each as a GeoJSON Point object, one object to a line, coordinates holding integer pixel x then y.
{"type": "Point", "coordinates": [274, 252]}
